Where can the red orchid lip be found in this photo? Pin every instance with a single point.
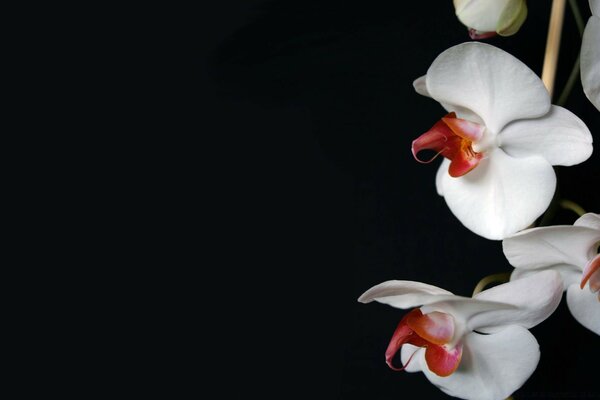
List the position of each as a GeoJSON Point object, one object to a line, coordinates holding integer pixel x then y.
{"type": "Point", "coordinates": [591, 274]}
{"type": "Point", "coordinates": [452, 138]}
{"type": "Point", "coordinates": [430, 331]}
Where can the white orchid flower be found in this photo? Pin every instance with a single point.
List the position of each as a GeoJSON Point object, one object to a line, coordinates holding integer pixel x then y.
{"type": "Point", "coordinates": [590, 56]}
{"type": "Point", "coordinates": [570, 250]}
{"type": "Point", "coordinates": [486, 18]}
{"type": "Point", "coordinates": [471, 348]}
{"type": "Point", "coordinates": [499, 141]}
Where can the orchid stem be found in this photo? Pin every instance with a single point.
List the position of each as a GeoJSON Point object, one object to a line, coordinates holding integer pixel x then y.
{"type": "Point", "coordinates": [552, 209]}
{"type": "Point", "coordinates": [577, 16]}
{"type": "Point", "coordinates": [557, 15]}
{"type": "Point", "coordinates": [572, 206]}
{"type": "Point", "coordinates": [494, 278]}
{"type": "Point", "coordinates": [562, 99]}
{"type": "Point", "coordinates": [564, 95]}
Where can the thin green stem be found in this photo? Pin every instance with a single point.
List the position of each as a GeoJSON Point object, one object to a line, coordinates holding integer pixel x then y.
{"type": "Point", "coordinates": [572, 206]}
{"type": "Point", "coordinates": [564, 95]}
{"type": "Point", "coordinates": [577, 16]}
{"type": "Point", "coordinates": [499, 278]}
{"type": "Point", "coordinates": [552, 209]}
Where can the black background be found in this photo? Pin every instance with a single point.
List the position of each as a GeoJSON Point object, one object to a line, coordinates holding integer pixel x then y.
{"type": "Point", "coordinates": [313, 104]}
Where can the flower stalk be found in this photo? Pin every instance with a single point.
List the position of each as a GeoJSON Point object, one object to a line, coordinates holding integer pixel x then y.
{"type": "Point", "coordinates": [572, 206]}
{"type": "Point", "coordinates": [577, 16]}
{"type": "Point", "coordinates": [557, 15]}
{"type": "Point", "coordinates": [562, 99]}
{"type": "Point", "coordinates": [495, 278]}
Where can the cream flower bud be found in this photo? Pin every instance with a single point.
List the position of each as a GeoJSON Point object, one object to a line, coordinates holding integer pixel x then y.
{"type": "Point", "coordinates": [485, 18]}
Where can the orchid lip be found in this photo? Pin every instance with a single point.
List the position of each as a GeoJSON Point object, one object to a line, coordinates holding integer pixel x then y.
{"type": "Point", "coordinates": [591, 274]}
{"type": "Point", "coordinates": [453, 138]}
{"type": "Point", "coordinates": [431, 331]}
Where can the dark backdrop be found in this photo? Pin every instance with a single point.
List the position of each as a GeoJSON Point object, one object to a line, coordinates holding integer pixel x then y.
{"type": "Point", "coordinates": [312, 102]}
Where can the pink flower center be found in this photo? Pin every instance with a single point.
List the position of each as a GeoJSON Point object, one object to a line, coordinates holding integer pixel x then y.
{"type": "Point", "coordinates": [452, 138]}
{"type": "Point", "coordinates": [431, 331]}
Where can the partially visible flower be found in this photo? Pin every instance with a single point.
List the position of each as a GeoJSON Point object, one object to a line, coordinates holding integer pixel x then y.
{"type": "Point", "coordinates": [570, 250]}
{"type": "Point", "coordinates": [499, 141]}
{"type": "Point", "coordinates": [486, 18]}
{"type": "Point", "coordinates": [590, 56]}
{"type": "Point", "coordinates": [471, 348]}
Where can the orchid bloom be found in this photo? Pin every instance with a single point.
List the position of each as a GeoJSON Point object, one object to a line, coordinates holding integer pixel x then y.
{"type": "Point", "coordinates": [471, 348]}
{"type": "Point", "coordinates": [570, 250]}
{"type": "Point", "coordinates": [590, 56]}
{"type": "Point", "coordinates": [486, 18]}
{"type": "Point", "coordinates": [499, 140]}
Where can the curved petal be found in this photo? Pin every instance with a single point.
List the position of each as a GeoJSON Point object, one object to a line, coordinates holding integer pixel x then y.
{"type": "Point", "coordinates": [590, 59]}
{"type": "Point", "coordinates": [595, 7]}
{"type": "Point", "coordinates": [512, 18]}
{"type": "Point", "coordinates": [411, 356]}
{"type": "Point", "coordinates": [420, 85]}
{"type": "Point", "coordinates": [488, 81]}
{"type": "Point", "coordinates": [404, 294]}
{"type": "Point", "coordinates": [551, 245]}
{"type": "Point", "coordinates": [502, 195]}
{"type": "Point", "coordinates": [492, 366]}
{"type": "Point", "coordinates": [585, 307]}
{"type": "Point", "coordinates": [589, 220]}
{"type": "Point", "coordinates": [440, 174]}
{"type": "Point", "coordinates": [569, 273]}
{"type": "Point", "coordinates": [409, 294]}
{"type": "Point", "coordinates": [482, 15]}
{"type": "Point", "coordinates": [559, 136]}
{"type": "Point", "coordinates": [535, 297]}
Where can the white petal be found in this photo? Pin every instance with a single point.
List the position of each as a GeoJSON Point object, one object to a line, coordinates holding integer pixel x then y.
{"type": "Point", "coordinates": [589, 220]}
{"type": "Point", "coordinates": [559, 136]}
{"type": "Point", "coordinates": [420, 86]}
{"type": "Point", "coordinates": [569, 273]}
{"type": "Point", "coordinates": [404, 294]}
{"type": "Point", "coordinates": [482, 15]}
{"type": "Point", "coordinates": [502, 195]}
{"type": "Point", "coordinates": [439, 176]}
{"type": "Point", "coordinates": [590, 60]}
{"type": "Point", "coordinates": [465, 310]}
{"type": "Point", "coordinates": [551, 245]}
{"type": "Point", "coordinates": [535, 298]}
{"type": "Point", "coordinates": [417, 354]}
{"type": "Point", "coordinates": [492, 366]}
{"type": "Point", "coordinates": [488, 81]}
{"type": "Point", "coordinates": [595, 7]}
{"type": "Point", "coordinates": [585, 307]}
{"type": "Point", "coordinates": [409, 294]}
